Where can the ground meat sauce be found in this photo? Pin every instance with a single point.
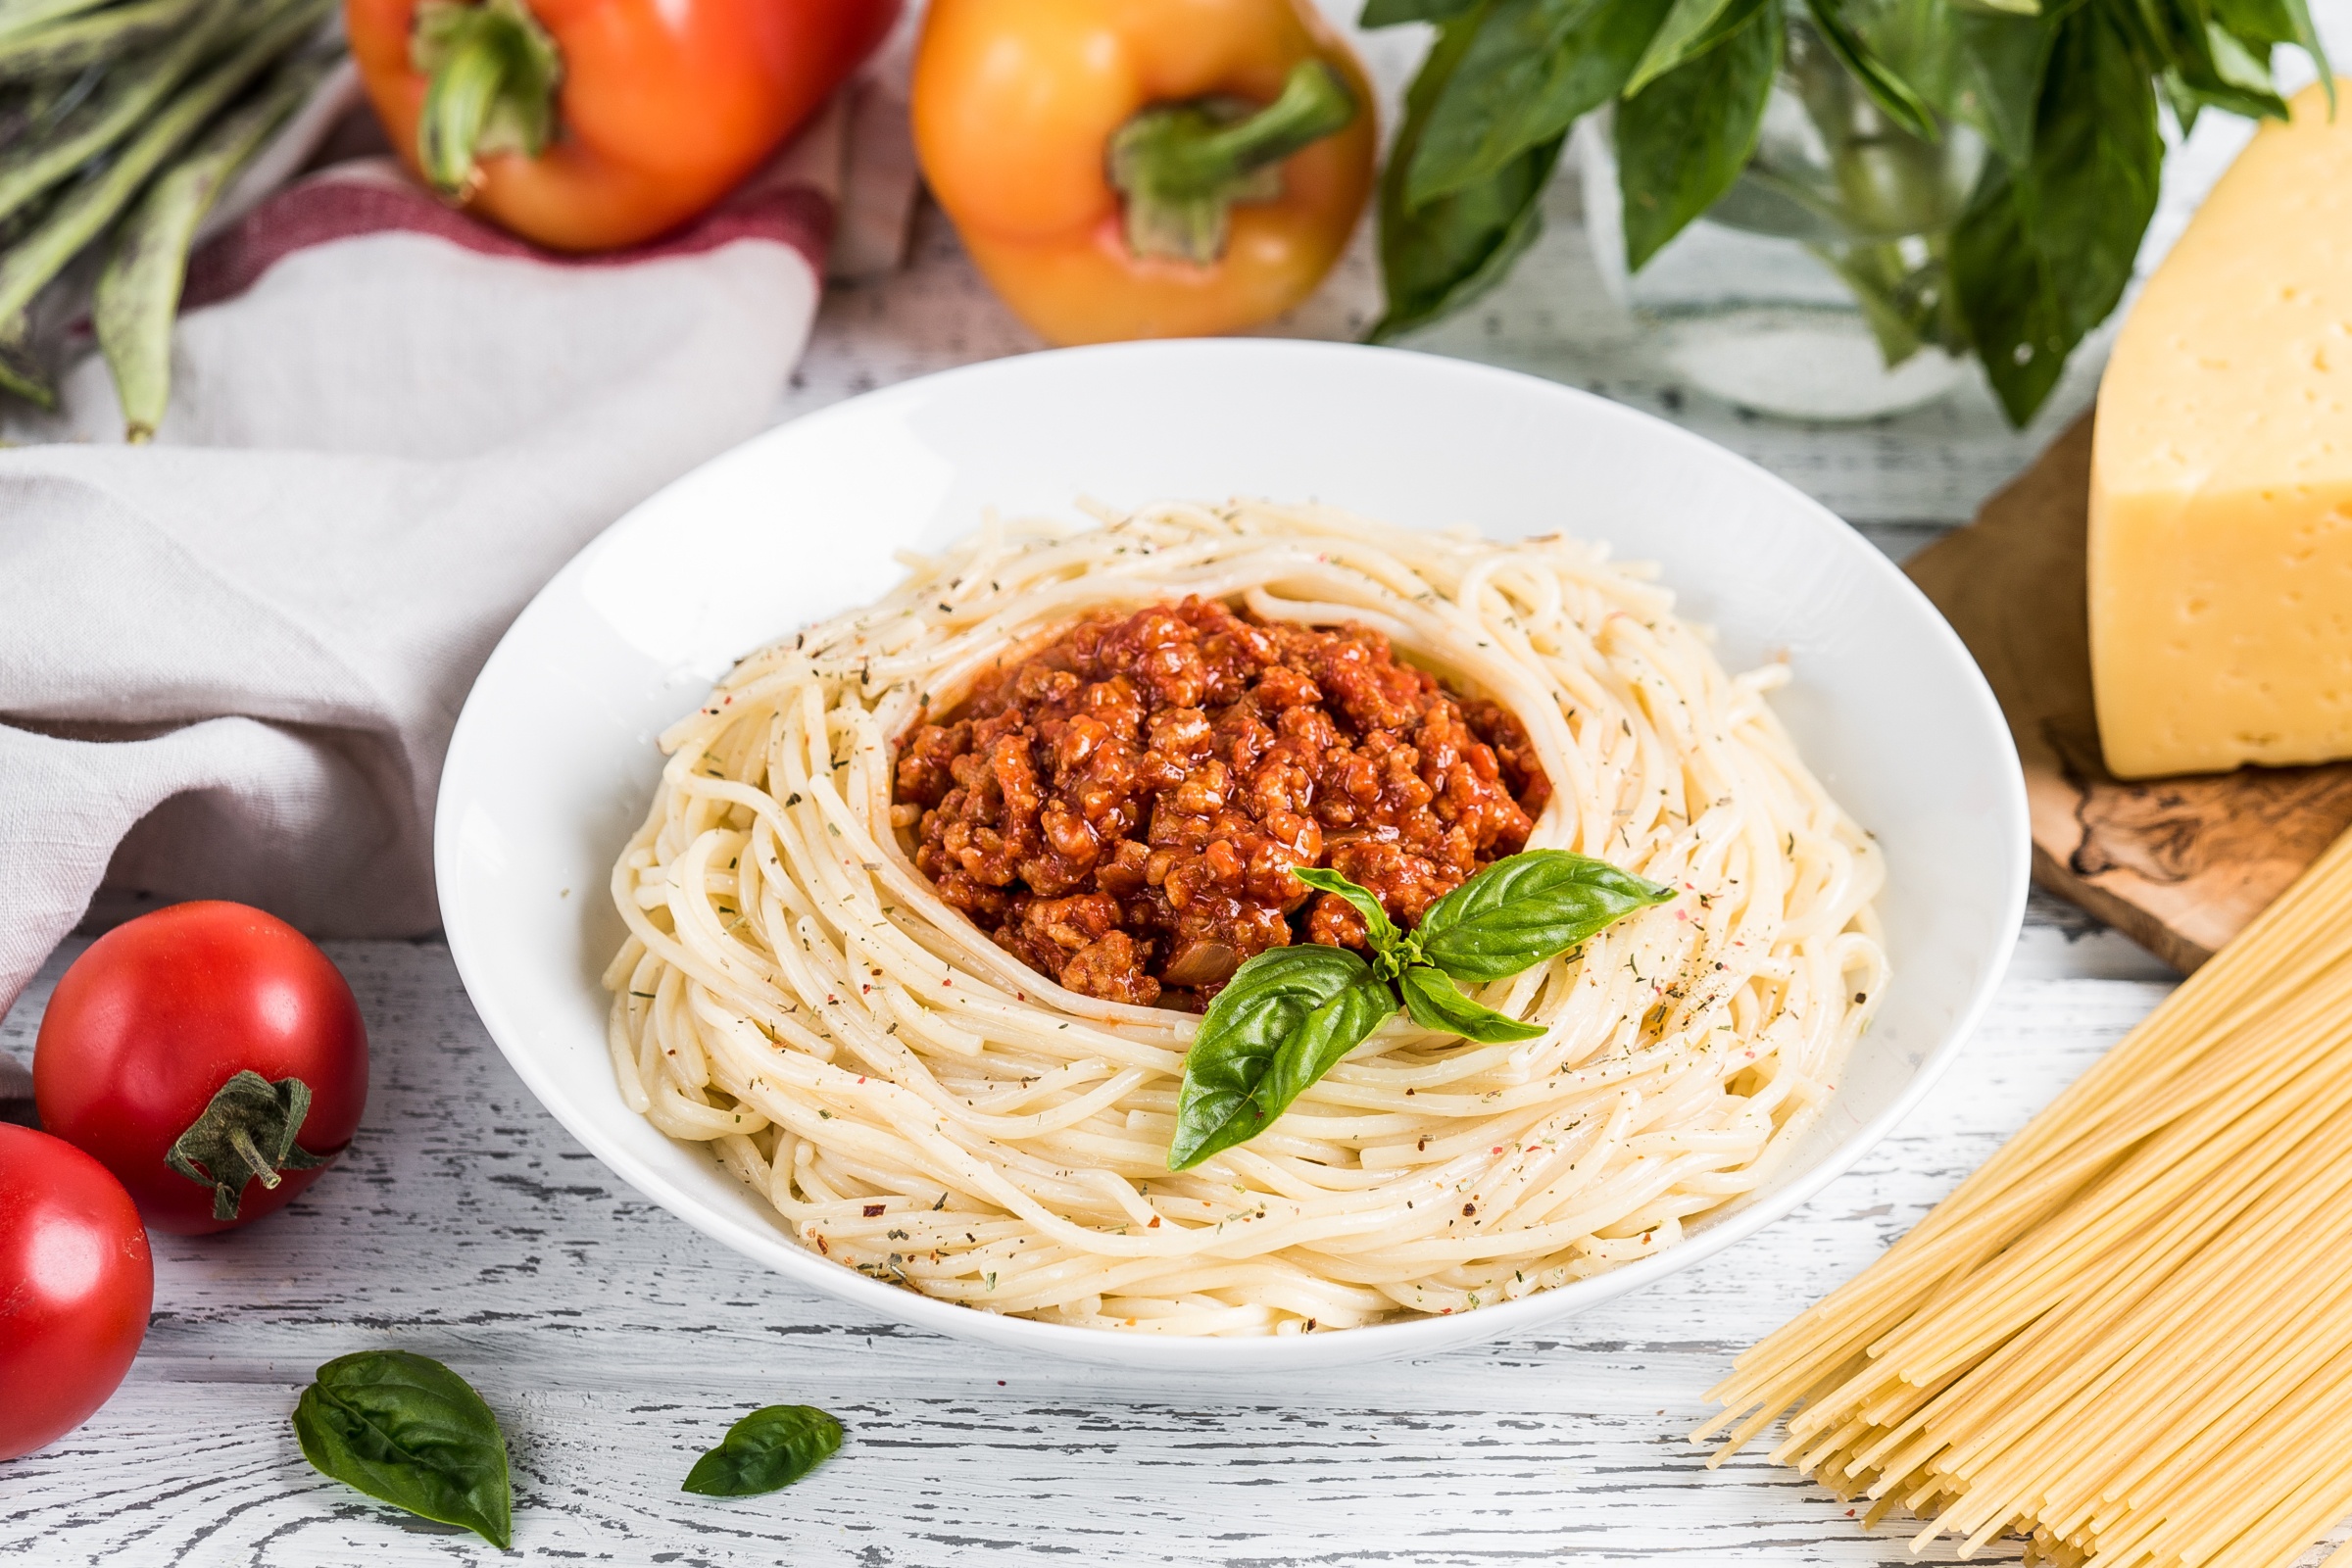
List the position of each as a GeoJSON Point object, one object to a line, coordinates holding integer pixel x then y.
{"type": "Point", "coordinates": [1122, 809]}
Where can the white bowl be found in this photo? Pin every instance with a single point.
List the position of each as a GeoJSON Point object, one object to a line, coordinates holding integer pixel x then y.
{"type": "Point", "coordinates": [553, 763]}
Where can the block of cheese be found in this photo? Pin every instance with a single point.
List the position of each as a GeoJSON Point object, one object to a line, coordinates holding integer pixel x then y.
{"type": "Point", "coordinates": [2221, 499]}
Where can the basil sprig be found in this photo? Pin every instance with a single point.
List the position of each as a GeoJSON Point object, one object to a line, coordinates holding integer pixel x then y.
{"type": "Point", "coordinates": [771, 1447]}
{"type": "Point", "coordinates": [408, 1431]}
{"type": "Point", "coordinates": [1289, 1016]}
{"type": "Point", "coordinates": [2065, 94]}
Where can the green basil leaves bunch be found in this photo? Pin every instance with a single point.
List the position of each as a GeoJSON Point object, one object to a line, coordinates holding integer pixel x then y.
{"type": "Point", "coordinates": [2064, 93]}
{"type": "Point", "coordinates": [1289, 1014]}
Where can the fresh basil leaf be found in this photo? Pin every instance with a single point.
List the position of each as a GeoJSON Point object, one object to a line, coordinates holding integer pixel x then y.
{"type": "Point", "coordinates": [1390, 13]}
{"type": "Point", "coordinates": [1977, 67]}
{"type": "Point", "coordinates": [1896, 97]}
{"type": "Point", "coordinates": [1283, 1020]}
{"type": "Point", "coordinates": [1527, 908]}
{"type": "Point", "coordinates": [1999, 64]}
{"type": "Point", "coordinates": [1434, 1002]}
{"type": "Point", "coordinates": [2206, 65]}
{"type": "Point", "coordinates": [1439, 257]}
{"type": "Point", "coordinates": [1683, 139]}
{"type": "Point", "coordinates": [1533, 67]}
{"type": "Point", "coordinates": [2306, 35]}
{"type": "Point", "coordinates": [1689, 30]}
{"type": "Point", "coordinates": [2045, 249]}
{"type": "Point", "coordinates": [1377, 929]}
{"type": "Point", "coordinates": [406, 1430]}
{"type": "Point", "coordinates": [771, 1447]}
{"type": "Point", "coordinates": [2259, 27]}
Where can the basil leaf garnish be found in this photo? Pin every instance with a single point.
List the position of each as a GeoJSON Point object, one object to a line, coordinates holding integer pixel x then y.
{"type": "Point", "coordinates": [1434, 1002]}
{"type": "Point", "coordinates": [1289, 1016]}
{"type": "Point", "coordinates": [1283, 1020]}
{"type": "Point", "coordinates": [770, 1447]}
{"type": "Point", "coordinates": [1526, 909]}
{"type": "Point", "coordinates": [406, 1430]}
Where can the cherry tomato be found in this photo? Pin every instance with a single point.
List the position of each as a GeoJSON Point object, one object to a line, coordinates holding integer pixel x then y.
{"type": "Point", "coordinates": [76, 1283]}
{"type": "Point", "coordinates": [211, 1057]}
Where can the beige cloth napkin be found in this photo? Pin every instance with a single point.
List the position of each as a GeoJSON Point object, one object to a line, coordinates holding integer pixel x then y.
{"type": "Point", "coordinates": [229, 662]}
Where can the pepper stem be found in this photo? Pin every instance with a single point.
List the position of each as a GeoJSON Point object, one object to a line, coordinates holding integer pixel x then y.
{"type": "Point", "coordinates": [491, 73]}
{"type": "Point", "coordinates": [1181, 167]}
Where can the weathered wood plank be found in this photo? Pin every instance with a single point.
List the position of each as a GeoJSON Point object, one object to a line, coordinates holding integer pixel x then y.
{"type": "Point", "coordinates": [616, 1344]}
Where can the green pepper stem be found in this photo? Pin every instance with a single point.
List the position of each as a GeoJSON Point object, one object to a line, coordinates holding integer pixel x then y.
{"type": "Point", "coordinates": [1181, 167]}
{"type": "Point", "coordinates": [491, 73]}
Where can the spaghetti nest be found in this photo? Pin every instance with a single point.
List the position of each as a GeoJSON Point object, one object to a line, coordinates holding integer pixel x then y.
{"type": "Point", "coordinates": [919, 1104]}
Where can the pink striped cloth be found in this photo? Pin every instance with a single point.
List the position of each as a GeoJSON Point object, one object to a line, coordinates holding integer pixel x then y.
{"type": "Point", "coordinates": [230, 662]}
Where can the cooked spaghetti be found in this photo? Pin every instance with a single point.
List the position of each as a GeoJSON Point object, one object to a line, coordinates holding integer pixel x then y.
{"type": "Point", "coordinates": [919, 1104]}
{"type": "Point", "coordinates": [2128, 1337]}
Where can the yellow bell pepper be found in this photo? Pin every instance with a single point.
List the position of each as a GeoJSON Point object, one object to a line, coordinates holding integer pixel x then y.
{"type": "Point", "coordinates": [1123, 169]}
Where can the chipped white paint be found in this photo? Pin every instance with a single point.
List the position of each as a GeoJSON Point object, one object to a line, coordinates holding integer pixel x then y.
{"type": "Point", "coordinates": [615, 1345]}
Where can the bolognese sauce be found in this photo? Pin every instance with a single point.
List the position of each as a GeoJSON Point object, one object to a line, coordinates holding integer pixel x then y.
{"type": "Point", "coordinates": [1122, 809]}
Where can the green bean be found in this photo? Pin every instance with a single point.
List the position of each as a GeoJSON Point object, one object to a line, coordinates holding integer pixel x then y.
{"type": "Point", "coordinates": [21, 368]}
{"type": "Point", "coordinates": [131, 95]}
{"type": "Point", "coordinates": [85, 210]}
{"type": "Point", "coordinates": [138, 292]}
{"type": "Point", "coordinates": [64, 47]}
{"type": "Point", "coordinates": [22, 16]}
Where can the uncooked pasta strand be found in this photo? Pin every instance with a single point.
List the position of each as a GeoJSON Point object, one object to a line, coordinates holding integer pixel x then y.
{"type": "Point", "coordinates": [2128, 1336]}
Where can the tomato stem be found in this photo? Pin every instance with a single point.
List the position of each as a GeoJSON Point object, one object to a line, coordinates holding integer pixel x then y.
{"type": "Point", "coordinates": [491, 73]}
{"type": "Point", "coordinates": [1181, 167]}
{"type": "Point", "coordinates": [246, 1134]}
{"type": "Point", "coordinates": [255, 1160]}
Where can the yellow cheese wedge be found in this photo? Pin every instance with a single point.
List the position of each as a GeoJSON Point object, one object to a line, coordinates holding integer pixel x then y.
{"type": "Point", "coordinates": [2220, 494]}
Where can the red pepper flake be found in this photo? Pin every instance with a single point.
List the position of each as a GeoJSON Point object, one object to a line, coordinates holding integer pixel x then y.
{"type": "Point", "coordinates": [1154, 1225]}
{"type": "Point", "coordinates": [874, 1210]}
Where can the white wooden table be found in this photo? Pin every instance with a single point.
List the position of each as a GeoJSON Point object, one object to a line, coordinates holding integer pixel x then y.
{"type": "Point", "coordinates": [616, 1344]}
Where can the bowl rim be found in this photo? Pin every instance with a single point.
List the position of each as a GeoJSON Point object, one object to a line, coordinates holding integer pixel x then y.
{"type": "Point", "coordinates": [1150, 1353]}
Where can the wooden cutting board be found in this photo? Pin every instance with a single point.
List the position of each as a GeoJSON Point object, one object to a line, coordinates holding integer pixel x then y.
{"type": "Point", "coordinates": [2178, 865]}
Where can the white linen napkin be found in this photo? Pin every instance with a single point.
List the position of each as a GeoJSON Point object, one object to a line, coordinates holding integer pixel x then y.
{"type": "Point", "coordinates": [231, 662]}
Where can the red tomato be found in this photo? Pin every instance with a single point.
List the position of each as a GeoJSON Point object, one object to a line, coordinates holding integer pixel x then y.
{"type": "Point", "coordinates": [76, 1284]}
{"type": "Point", "coordinates": [207, 1054]}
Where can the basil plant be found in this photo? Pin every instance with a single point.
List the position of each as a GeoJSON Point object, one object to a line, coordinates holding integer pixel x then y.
{"type": "Point", "coordinates": [2060, 99]}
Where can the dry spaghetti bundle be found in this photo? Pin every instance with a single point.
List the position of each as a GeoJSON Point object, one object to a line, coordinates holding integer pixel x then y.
{"type": "Point", "coordinates": [2128, 1337]}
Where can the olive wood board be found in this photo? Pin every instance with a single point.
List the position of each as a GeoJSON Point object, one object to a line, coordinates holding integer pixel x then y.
{"type": "Point", "coordinates": [2178, 865]}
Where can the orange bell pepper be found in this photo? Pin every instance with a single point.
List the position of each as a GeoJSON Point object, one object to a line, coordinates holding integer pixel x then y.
{"type": "Point", "coordinates": [586, 125]}
{"type": "Point", "coordinates": [1125, 169]}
